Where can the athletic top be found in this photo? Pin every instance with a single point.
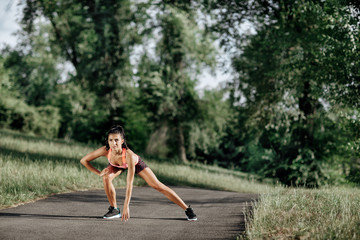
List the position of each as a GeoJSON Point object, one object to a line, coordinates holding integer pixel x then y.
{"type": "Point", "coordinates": [123, 158]}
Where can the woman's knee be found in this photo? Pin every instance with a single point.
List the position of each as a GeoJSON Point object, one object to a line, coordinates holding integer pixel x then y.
{"type": "Point", "coordinates": [106, 178]}
{"type": "Point", "coordinates": [159, 186]}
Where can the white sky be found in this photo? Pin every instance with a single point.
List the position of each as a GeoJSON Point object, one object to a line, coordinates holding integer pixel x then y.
{"type": "Point", "coordinates": [10, 14]}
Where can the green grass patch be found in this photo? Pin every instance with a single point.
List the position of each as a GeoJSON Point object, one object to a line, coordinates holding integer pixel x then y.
{"type": "Point", "coordinates": [293, 213]}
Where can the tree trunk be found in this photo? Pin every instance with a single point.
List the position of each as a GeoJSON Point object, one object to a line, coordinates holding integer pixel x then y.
{"type": "Point", "coordinates": [181, 145]}
{"type": "Point", "coordinates": [307, 106]}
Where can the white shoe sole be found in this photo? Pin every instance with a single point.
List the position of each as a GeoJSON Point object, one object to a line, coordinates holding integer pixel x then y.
{"type": "Point", "coordinates": [116, 216]}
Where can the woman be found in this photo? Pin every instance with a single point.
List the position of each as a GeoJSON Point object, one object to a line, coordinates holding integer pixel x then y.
{"type": "Point", "coordinates": [121, 158]}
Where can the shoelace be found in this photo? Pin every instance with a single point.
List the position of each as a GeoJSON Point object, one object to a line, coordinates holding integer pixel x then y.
{"type": "Point", "coordinates": [111, 209]}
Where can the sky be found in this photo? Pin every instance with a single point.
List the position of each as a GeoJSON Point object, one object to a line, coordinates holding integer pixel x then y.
{"type": "Point", "coordinates": [10, 14]}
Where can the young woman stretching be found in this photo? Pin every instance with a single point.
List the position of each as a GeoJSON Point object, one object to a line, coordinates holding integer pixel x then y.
{"type": "Point", "coordinates": [121, 158]}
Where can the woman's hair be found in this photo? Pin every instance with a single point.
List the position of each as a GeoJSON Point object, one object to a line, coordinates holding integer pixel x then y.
{"type": "Point", "coordinates": [116, 129]}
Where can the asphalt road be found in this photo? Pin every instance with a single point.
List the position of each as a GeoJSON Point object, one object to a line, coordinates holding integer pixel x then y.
{"type": "Point", "coordinates": [78, 216]}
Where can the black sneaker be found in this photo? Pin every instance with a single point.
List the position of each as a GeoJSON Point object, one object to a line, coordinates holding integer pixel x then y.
{"type": "Point", "coordinates": [191, 216]}
{"type": "Point", "coordinates": [113, 213]}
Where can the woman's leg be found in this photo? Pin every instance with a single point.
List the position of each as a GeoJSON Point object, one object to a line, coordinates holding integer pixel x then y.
{"type": "Point", "coordinates": [109, 187]}
{"type": "Point", "coordinates": [153, 182]}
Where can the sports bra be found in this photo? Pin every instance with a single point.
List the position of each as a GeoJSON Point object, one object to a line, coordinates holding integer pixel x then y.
{"type": "Point", "coordinates": [123, 158]}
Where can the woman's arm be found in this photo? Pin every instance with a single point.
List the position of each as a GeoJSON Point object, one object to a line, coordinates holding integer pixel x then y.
{"type": "Point", "coordinates": [129, 183]}
{"type": "Point", "coordinates": [92, 156]}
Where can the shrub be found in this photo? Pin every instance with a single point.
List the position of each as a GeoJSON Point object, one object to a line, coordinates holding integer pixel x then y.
{"type": "Point", "coordinates": [16, 114]}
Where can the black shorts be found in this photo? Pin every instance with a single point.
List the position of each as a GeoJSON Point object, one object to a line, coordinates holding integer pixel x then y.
{"type": "Point", "coordinates": [141, 165]}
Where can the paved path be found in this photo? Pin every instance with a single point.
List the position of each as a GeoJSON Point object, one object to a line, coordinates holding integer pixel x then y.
{"type": "Point", "coordinates": [153, 216]}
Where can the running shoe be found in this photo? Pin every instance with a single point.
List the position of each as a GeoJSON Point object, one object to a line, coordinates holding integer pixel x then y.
{"type": "Point", "coordinates": [113, 213]}
{"type": "Point", "coordinates": [191, 216]}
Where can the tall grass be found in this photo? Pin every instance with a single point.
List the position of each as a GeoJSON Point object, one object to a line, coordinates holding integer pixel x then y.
{"type": "Point", "coordinates": [294, 213]}
{"type": "Point", "coordinates": [31, 168]}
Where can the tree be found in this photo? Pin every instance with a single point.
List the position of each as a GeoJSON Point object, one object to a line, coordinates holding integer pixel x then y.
{"type": "Point", "coordinates": [33, 66]}
{"type": "Point", "coordinates": [166, 82]}
{"type": "Point", "coordinates": [292, 72]}
{"type": "Point", "coordinates": [96, 37]}
{"type": "Point", "coordinates": [208, 132]}
{"type": "Point", "coordinates": [15, 112]}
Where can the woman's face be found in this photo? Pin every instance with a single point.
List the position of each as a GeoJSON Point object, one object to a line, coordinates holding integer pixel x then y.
{"type": "Point", "coordinates": [115, 141]}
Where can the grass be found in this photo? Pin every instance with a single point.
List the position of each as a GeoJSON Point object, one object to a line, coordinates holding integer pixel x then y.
{"type": "Point", "coordinates": [294, 213]}
{"type": "Point", "coordinates": [32, 168]}
{"type": "Point", "coordinates": [206, 177]}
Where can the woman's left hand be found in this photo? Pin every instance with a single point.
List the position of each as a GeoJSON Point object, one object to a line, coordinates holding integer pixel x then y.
{"type": "Point", "coordinates": [125, 214]}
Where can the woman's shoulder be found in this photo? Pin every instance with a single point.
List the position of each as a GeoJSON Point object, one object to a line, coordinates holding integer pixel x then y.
{"type": "Point", "coordinates": [130, 154]}
{"type": "Point", "coordinates": [103, 148]}
{"type": "Point", "coordinates": [102, 151]}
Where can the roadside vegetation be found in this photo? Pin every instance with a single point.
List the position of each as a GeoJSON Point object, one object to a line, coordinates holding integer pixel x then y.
{"type": "Point", "coordinates": [298, 213]}
{"type": "Point", "coordinates": [32, 168]}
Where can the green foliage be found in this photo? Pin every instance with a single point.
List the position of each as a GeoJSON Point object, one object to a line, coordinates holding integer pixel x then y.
{"type": "Point", "coordinates": [293, 73]}
{"type": "Point", "coordinates": [207, 133]}
{"type": "Point", "coordinates": [136, 122]}
{"type": "Point", "coordinates": [167, 83]}
{"type": "Point", "coordinates": [97, 38]}
{"type": "Point", "coordinates": [85, 120]}
{"type": "Point", "coordinates": [82, 116]}
{"type": "Point", "coordinates": [33, 71]}
{"type": "Point", "coordinates": [28, 79]}
{"type": "Point", "coordinates": [348, 149]}
{"type": "Point", "coordinates": [184, 46]}
{"type": "Point", "coordinates": [16, 114]}
{"type": "Point", "coordinates": [277, 152]}
{"type": "Point", "coordinates": [5, 83]}
{"type": "Point", "coordinates": [174, 105]}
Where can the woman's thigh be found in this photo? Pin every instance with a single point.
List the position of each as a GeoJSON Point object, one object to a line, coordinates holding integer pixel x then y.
{"type": "Point", "coordinates": [113, 172]}
{"type": "Point", "coordinates": [149, 177]}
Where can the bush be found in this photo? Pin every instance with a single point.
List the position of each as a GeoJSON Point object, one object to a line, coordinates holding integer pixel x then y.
{"type": "Point", "coordinates": [297, 154]}
{"type": "Point", "coordinates": [16, 114]}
